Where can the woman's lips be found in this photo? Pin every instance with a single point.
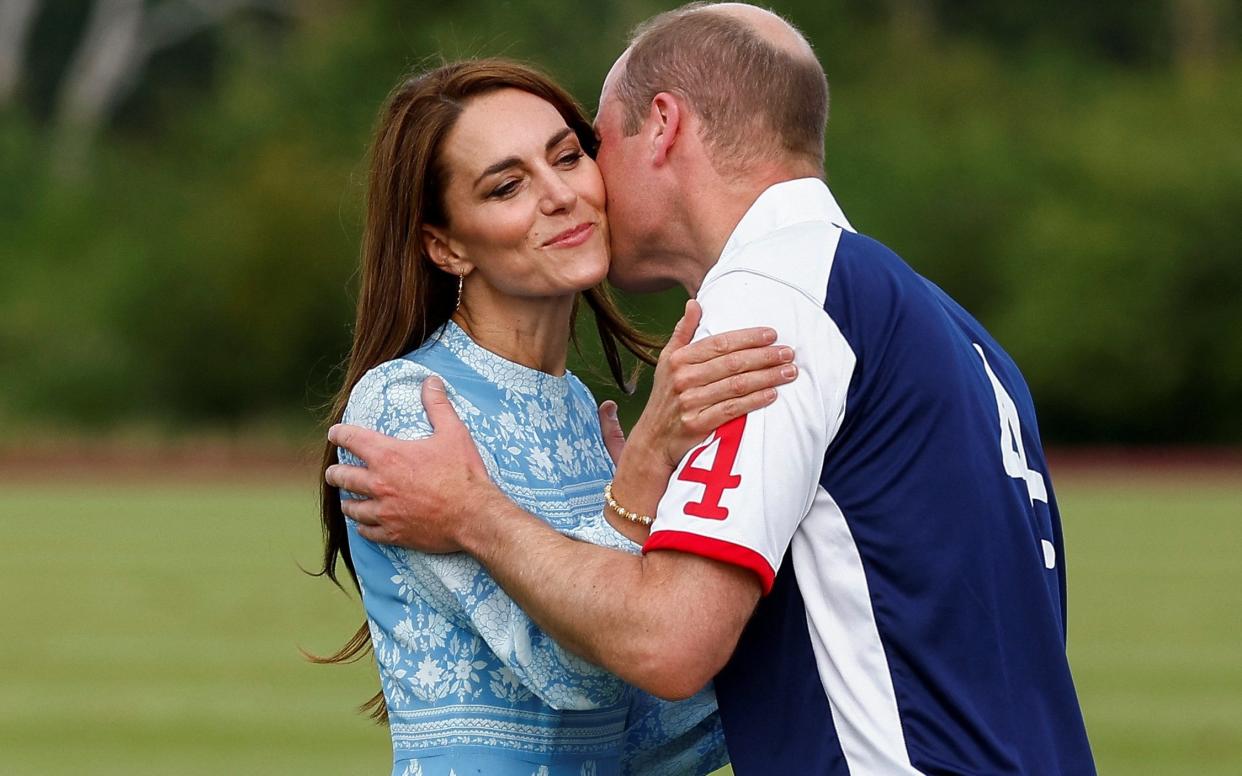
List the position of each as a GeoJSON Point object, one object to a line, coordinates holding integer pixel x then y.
{"type": "Point", "coordinates": [571, 238]}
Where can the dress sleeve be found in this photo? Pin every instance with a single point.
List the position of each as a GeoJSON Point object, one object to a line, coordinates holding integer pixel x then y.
{"type": "Point", "coordinates": [673, 738]}
{"type": "Point", "coordinates": [740, 495]}
{"type": "Point", "coordinates": [418, 595]}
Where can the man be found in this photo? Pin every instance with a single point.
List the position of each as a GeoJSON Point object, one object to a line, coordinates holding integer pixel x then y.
{"type": "Point", "coordinates": [874, 563]}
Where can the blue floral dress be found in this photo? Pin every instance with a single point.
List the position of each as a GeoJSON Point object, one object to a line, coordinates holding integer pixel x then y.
{"type": "Point", "coordinates": [472, 685]}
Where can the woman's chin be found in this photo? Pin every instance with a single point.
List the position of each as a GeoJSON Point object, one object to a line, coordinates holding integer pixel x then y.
{"type": "Point", "coordinates": [592, 279]}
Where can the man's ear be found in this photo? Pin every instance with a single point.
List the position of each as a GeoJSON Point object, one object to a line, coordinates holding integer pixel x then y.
{"type": "Point", "coordinates": [442, 252]}
{"type": "Point", "coordinates": [666, 119]}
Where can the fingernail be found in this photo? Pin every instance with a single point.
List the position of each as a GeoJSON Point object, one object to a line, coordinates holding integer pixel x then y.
{"type": "Point", "coordinates": [332, 433]}
{"type": "Point", "coordinates": [611, 409]}
{"type": "Point", "coordinates": [435, 384]}
{"type": "Point", "coordinates": [769, 335]}
{"type": "Point", "coordinates": [786, 354]}
{"type": "Point", "coordinates": [789, 371]}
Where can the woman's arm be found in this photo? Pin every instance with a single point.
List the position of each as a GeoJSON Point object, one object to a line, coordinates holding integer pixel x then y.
{"type": "Point", "coordinates": [698, 387]}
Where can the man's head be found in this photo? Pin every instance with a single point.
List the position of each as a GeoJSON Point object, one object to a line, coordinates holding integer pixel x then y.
{"type": "Point", "coordinates": [706, 94]}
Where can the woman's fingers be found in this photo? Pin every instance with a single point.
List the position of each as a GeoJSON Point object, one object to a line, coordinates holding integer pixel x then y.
{"type": "Point", "coordinates": [718, 414]}
{"type": "Point", "coordinates": [737, 386]}
{"type": "Point", "coordinates": [721, 345]}
{"type": "Point", "coordinates": [684, 330]}
{"type": "Point", "coordinates": [610, 427]}
{"type": "Point", "coordinates": [686, 376]}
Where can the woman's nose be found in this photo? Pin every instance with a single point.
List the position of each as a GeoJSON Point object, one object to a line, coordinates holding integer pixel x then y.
{"type": "Point", "coordinates": [558, 195]}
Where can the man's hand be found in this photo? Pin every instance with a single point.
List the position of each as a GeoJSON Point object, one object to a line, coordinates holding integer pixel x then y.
{"type": "Point", "coordinates": [418, 494]}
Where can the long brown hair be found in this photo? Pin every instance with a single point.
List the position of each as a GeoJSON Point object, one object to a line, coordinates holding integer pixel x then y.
{"type": "Point", "coordinates": [404, 297]}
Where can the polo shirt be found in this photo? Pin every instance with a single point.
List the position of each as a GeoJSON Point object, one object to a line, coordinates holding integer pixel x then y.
{"type": "Point", "coordinates": [895, 505]}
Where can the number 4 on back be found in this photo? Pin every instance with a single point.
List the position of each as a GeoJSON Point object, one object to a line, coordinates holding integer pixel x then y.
{"type": "Point", "coordinates": [720, 476]}
{"type": "Point", "coordinates": [1012, 452]}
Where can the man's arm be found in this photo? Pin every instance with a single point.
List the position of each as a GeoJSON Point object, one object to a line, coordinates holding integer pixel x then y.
{"type": "Point", "coordinates": [665, 622]}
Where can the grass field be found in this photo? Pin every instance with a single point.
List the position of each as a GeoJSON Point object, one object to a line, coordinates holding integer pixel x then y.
{"type": "Point", "coordinates": [155, 630]}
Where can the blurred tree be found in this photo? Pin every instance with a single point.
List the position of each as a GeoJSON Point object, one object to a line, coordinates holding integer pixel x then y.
{"type": "Point", "coordinates": [1202, 31]}
{"type": "Point", "coordinates": [16, 19]}
{"type": "Point", "coordinates": [913, 21]}
{"type": "Point", "coordinates": [1051, 164]}
{"type": "Point", "coordinates": [120, 38]}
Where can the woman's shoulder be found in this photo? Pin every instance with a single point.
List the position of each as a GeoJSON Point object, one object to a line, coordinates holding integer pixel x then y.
{"type": "Point", "coordinates": [578, 388]}
{"type": "Point", "coordinates": [389, 394]}
{"type": "Point", "coordinates": [406, 369]}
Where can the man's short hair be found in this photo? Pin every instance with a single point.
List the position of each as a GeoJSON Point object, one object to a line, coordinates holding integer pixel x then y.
{"type": "Point", "coordinates": [756, 100]}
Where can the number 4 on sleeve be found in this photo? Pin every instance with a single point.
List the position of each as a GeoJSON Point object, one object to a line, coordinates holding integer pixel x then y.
{"type": "Point", "coordinates": [720, 477]}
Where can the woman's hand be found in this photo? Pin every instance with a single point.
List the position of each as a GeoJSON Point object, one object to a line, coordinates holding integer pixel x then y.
{"type": "Point", "coordinates": [610, 428]}
{"type": "Point", "coordinates": [697, 388]}
{"type": "Point", "coordinates": [700, 386]}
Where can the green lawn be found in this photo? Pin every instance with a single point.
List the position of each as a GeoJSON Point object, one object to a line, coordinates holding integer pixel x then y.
{"type": "Point", "coordinates": [155, 630]}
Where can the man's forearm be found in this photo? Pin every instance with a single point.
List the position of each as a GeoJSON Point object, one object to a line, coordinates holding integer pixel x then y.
{"type": "Point", "coordinates": [576, 592]}
{"type": "Point", "coordinates": [666, 622]}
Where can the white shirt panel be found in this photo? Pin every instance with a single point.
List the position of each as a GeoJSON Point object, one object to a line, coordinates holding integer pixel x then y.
{"type": "Point", "coordinates": [849, 655]}
{"type": "Point", "coordinates": [777, 279]}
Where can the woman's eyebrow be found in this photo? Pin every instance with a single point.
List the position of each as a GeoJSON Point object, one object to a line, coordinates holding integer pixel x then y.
{"type": "Point", "coordinates": [513, 161]}
{"type": "Point", "coordinates": [557, 138]}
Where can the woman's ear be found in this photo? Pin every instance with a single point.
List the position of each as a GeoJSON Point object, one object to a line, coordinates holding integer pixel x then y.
{"type": "Point", "coordinates": [439, 248]}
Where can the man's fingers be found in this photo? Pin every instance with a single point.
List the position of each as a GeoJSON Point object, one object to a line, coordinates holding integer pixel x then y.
{"type": "Point", "coordinates": [610, 428]}
{"type": "Point", "coordinates": [361, 511]}
{"type": "Point", "coordinates": [354, 479]}
{"type": "Point", "coordinates": [717, 415]}
{"type": "Point", "coordinates": [439, 409]}
{"type": "Point", "coordinates": [373, 533]}
{"type": "Point", "coordinates": [737, 386]}
{"type": "Point", "coordinates": [683, 332]}
{"type": "Point", "coordinates": [362, 442]}
{"type": "Point", "coordinates": [720, 345]}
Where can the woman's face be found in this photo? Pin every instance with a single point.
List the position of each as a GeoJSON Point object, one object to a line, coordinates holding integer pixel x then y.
{"type": "Point", "coordinates": [525, 204]}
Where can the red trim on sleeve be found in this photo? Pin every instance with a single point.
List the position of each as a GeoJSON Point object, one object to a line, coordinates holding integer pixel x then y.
{"type": "Point", "coordinates": [716, 549]}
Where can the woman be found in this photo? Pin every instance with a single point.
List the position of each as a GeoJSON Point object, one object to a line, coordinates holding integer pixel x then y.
{"type": "Point", "coordinates": [485, 224]}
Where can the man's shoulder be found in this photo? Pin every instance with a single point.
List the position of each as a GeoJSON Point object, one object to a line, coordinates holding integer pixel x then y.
{"type": "Point", "coordinates": [805, 257]}
{"type": "Point", "coordinates": [794, 259]}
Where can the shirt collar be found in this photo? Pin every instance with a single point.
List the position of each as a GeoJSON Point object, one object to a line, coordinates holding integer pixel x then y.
{"type": "Point", "coordinates": [780, 205]}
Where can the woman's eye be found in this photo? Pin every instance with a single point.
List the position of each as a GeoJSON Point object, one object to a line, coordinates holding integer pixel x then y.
{"type": "Point", "coordinates": [504, 189]}
{"type": "Point", "coordinates": [569, 159]}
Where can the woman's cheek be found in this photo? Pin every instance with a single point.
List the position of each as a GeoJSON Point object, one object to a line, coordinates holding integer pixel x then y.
{"type": "Point", "coordinates": [513, 225]}
{"type": "Point", "coordinates": [590, 184]}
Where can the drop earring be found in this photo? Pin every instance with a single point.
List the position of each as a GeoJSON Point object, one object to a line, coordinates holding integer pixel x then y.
{"type": "Point", "coordinates": [461, 281]}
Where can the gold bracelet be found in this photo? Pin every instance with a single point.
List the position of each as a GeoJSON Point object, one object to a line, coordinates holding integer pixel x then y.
{"type": "Point", "coordinates": [633, 517]}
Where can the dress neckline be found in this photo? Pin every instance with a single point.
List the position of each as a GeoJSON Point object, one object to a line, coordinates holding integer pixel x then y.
{"type": "Point", "coordinates": [498, 369]}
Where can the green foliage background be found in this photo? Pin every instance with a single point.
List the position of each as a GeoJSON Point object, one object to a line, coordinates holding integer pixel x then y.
{"type": "Point", "coordinates": [1061, 168]}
